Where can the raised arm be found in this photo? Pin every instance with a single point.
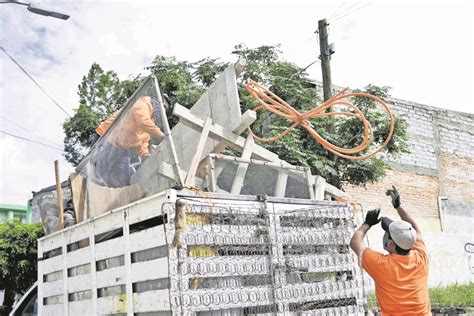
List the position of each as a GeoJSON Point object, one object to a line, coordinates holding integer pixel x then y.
{"type": "Point", "coordinates": [393, 193]}
{"type": "Point", "coordinates": [357, 240]}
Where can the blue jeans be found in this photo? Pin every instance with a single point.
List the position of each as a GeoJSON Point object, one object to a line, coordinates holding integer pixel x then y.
{"type": "Point", "coordinates": [112, 166]}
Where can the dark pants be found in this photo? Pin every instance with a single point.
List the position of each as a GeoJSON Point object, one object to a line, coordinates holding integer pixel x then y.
{"type": "Point", "coordinates": [112, 166]}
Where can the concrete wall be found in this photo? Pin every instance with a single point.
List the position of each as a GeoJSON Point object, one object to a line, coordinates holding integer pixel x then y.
{"type": "Point", "coordinates": [436, 181]}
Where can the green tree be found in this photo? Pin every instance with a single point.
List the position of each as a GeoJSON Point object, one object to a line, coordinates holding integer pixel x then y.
{"type": "Point", "coordinates": [18, 258]}
{"type": "Point", "coordinates": [100, 94]}
{"type": "Point", "coordinates": [291, 83]}
{"type": "Point", "coordinates": [184, 82]}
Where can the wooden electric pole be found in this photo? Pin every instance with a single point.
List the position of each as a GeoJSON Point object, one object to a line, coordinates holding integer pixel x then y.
{"type": "Point", "coordinates": [325, 58]}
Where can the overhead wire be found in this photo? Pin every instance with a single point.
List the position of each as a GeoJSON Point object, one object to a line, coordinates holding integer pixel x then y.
{"type": "Point", "coordinates": [355, 10]}
{"type": "Point", "coordinates": [337, 10]}
{"type": "Point", "coordinates": [37, 84]}
{"type": "Point", "coordinates": [30, 140]}
{"type": "Point", "coordinates": [346, 9]}
{"type": "Point", "coordinates": [271, 102]}
{"type": "Point", "coordinates": [33, 133]}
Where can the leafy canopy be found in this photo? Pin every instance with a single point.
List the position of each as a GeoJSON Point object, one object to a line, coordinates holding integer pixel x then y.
{"type": "Point", "coordinates": [18, 257]}
{"type": "Point", "coordinates": [184, 82]}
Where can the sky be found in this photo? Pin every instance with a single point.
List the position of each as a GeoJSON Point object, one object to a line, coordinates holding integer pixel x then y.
{"type": "Point", "coordinates": [422, 49]}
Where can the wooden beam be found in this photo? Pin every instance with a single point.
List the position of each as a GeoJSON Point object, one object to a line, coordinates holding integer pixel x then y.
{"type": "Point", "coordinates": [242, 167]}
{"type": "Point", "coordinates": [78, 192]}
{"type": "Point", "coordinates": [280, 187]}
{"type": "Point", "coordinates": [59, 195]}
{"type": "Point", "coordinates": [319, 187]}
{"type": "Point", "coordinates": [309, 181]}
{"type": "Point", "coordinates": [247, 119]}
{"type": "Point", "coordinates": [221, 134]}
{"type": "Point", "coordinates": [190, 178]}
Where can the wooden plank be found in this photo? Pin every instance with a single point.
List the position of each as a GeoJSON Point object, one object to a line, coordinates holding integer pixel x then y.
{"type": "Point", "coordinates": [319, 188]}
{"type": "Point", "coordinates": [307, 172]}
{"type": "Point", "coordinates": [111, 277]}
{"type": "Point", "coordinates": [280, 187]}
{"type": "Point", "coordinates": [151, 301]}
{"type": "Point", "coordinates": [242, 167]}
{"type": "Point", "coordinates": [59, 195]}
{"type": "Point", "coordinates": [190, 178]}
{"type": "Point", "coordinates": [51, 310]}
{"type": "Point", "coordinates": [110, 248]}
{"type": "Point", "coordinates": [148, 238]}
{"type": "Point", "coordinates": [79, 283]}
{"type": "Point", "coordinates": [78, 192]}
{"type": "Point", "coordinates": [248, 118]}
{"type": "Point", "coordinates": [169, 136]}
{"type": "Point", "coordinates": [53, 288]}
{"type": "Point", "coordinates": [78, 308]}
{"type": "Point", "coordinates": [103, 199]}
{"type": "Point", "coordinates": [221, 134]}
{"type": "Point", "coordinates": [52, 265]}
{"type": "Point", "coordinates": [128, 263]}
{"type": "Point", "coordinates": [150, 270]}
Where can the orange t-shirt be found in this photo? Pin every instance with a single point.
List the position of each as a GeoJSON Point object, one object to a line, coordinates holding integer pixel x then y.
{"type": "Point", "coordinates": [134, 130]}
{"type": "Point", "coordinates": [401, 282]}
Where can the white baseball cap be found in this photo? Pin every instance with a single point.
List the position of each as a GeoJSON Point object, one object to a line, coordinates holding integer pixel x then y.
{"type": "Point", "coordinates": [401, 232]}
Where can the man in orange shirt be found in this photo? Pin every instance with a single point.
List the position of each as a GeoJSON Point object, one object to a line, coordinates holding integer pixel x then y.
{"type": "Point", "coordinates": [136, 127]}
{"type": "Point", "coordinates": [401, 277]}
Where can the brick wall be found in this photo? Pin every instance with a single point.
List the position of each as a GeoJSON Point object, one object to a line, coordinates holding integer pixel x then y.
{"type": "Point", "coordinates": [440, 168]}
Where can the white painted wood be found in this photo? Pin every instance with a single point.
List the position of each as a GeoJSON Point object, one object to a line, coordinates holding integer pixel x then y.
{"type": "Point", "coordinates": [212, 175]}
{"type": "Point", "coordinates": [65, 278]}
{"type": "Point", "coordinates": [78, 257]}
{"type": "Point", "coordinates": [307, 172]}
{"type": "Point", "coordinates": [148, 238]}
{"type": "Point", "coordinates": [280, 187]}
{"type": "Point", "coordinates": [51, 242]}
{"type": "Point", "coordinates": [150, 270]}
{"type": "Point", "coordinates": [111, 277]}
{"type": "Point", "coordinates": [108, 223]}
{"type": "Point", "coordinates": [320, 187]}
{"type": "Point", "coordinates": [151, 301]}
{"type": "Point", "coordinates": [93, 268]}
{"type": "Point", "coordinates": [79, 233]}
{"type": "Point", "coordinates": [145, 210]}
{"type": "Point", "coordinates": [248, 118]}
{"type": "Point", "coordinates": [169, 137]}
{"type": "Point", "coordinates": [80, 308]}
{"type": "Point", "coordinates": [112, 305]}
{"type": "Point", "coordinates": [40, 279]}
{"type": "Point", "coordinates": [190, 178]}
{"type": "Point", "coordinates": [221, 133]}
{"type": "Point", "coordinates": [128, 264]}
{"type": "Point", "coordinates": [51, 310]}
{"type": "Point", "coordinates": [79, 283]}
{"type": "Point", "coordinates": [242, 167]}
{"type": "Point", "coordinates": [110, 248]}
{"type": "Point", "coordinates": [52, 265]}
{"type": "Point", "coordinates": [53, 288]}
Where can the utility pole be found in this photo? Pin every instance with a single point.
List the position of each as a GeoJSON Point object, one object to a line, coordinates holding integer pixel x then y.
{"type": "Point", "coordinates": [326, 51]}
{"type": "Point", "coordinates": [325, 58]}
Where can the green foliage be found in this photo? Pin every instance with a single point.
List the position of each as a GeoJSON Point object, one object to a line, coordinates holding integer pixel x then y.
{"type": "Point", "coordinates": [100, 94]}
{"type": "Point", "coordinates": [455, 295]}
{"type": "Point", "coordinates": [18, 256]}
{"type": "Point", "coordinates": [184, 82]}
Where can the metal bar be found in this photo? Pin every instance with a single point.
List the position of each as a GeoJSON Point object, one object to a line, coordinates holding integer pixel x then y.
{"type": "Point", "coordinates": [169, 136]}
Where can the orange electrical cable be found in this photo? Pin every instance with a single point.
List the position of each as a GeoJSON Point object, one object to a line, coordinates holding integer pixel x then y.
{"type": "Point", "coordinates": [271, 102]}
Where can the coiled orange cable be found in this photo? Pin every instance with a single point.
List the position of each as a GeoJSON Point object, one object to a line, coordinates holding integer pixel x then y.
{"type": "Point", "coordinates": [271, 102]}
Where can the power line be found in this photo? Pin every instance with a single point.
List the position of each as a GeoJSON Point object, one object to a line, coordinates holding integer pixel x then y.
{"type": "Point", "coordinates": [44, 91]}
{"type": "Point", "coordinates": [340, 17]}
{"type": "Point", "coordinates": [336, 11]}
{"type": "Point", "coordinates": [29, 140]}
{"type": "Point", "coordinates": [19, 126]}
